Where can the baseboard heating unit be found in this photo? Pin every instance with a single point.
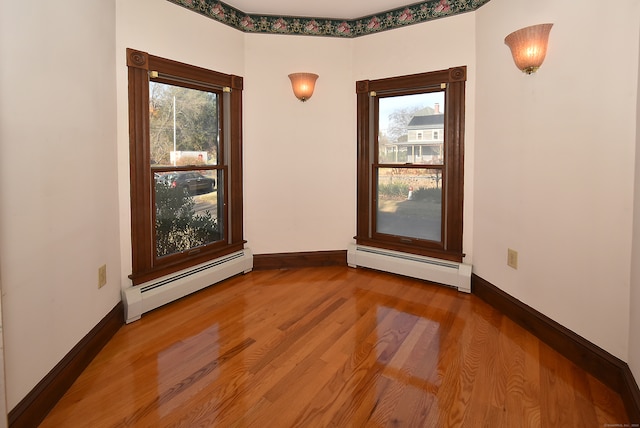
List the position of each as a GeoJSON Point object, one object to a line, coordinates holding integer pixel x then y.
{"type": "Point", "coordinates": [146, 297]}
{"type": "Point", "coordinates": [429, 269]}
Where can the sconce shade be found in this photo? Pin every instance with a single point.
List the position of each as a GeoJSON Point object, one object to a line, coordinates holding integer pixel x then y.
{"type": "Point", "coordinates": [303, 85]}
{"type": "Point", "coordinates": [529, 46]}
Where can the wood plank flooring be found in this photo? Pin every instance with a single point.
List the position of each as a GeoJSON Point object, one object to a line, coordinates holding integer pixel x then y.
{"type": "Point", "coordinates": [331, 346]}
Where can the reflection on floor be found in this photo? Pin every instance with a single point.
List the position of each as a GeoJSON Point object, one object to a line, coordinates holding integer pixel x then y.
{"type": "Point", "coordinates": [332, 346]}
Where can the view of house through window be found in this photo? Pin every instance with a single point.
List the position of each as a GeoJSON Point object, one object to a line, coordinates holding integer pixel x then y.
{"type": "Point", "coordinates": [184, 133]}
{"type": "Point", "coordinates": [411, 163]}
{"type": "Point", "coordinates": [409, 196]}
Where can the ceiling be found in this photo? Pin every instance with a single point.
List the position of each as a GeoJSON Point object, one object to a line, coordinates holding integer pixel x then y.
{"type": "Point", "coordinates": [344, 9]}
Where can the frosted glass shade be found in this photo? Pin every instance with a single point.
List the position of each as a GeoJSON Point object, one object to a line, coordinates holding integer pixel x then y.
{"type": "Point", "coordinates": [529, 46]}
{"type": "Point", "coordinates": [303, 85]}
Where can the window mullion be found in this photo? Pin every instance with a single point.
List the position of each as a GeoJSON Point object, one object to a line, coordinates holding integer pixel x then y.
{"type": "Point", "coordinates": [227, 211]}
{"type": "Point", "coordinates": [373, 158]}
{"type": "Point", "coordinates": [141, 237]}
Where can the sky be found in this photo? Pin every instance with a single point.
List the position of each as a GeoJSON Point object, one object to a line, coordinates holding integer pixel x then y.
{"type": "Point", "coordinates": [388, 105]}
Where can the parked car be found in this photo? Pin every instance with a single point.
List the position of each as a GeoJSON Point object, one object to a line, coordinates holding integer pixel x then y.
{"type": "Point", "coordinates": [191, 181]}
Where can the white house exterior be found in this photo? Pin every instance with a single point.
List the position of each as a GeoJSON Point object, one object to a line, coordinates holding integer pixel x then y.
{"type": "Point", "coordinates": [425, 136]}
{"type": "Point", "coordinates": [423, 142]}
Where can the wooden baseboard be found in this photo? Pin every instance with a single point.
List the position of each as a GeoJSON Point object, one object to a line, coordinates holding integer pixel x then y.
{"type": "Point", "coordinates": [630, 394]}
{"type": "Point", "coordinates": [43, 397]}
{"type": "Point", "coordinates": [299, 260]}
{"type": "Point", "coordinates": [609, 369]}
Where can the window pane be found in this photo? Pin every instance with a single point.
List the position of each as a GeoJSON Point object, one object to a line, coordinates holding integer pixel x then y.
{"type": "Point", "coordinates": [183, 125]}
{"type": "Point", "coordinates": [188, 210]}
{"type": "Point", "coordinates": [411, 129]}
{"type": "Point", "coordinates": [409, 202]}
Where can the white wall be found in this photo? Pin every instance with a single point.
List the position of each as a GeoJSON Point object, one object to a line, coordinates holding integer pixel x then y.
{"type": "Point", "coordinates": [634, 301]}
{"type": "Point", "coordinates": [58, 216]}
{"type": "Point", "coordinates": [420, 48]}
{"type": "Point", "coordinates": [554, 163]}
{"type": "Point", "coordinates": [300, 158]}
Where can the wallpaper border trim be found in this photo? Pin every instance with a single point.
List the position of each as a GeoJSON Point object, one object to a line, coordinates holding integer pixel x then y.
{"type": "Point", "coordinates": [330, 27]}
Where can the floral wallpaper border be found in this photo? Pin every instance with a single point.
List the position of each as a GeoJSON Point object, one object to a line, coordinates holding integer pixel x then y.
{"type": "Point", "coordinates": [330, 27]}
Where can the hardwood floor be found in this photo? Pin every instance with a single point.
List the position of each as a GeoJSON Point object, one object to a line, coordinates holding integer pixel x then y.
{"type": "Point", "coordinates": [331, 346]}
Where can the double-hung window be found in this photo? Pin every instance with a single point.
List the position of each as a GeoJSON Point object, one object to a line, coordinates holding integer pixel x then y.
{"type": "Point", "coordinates": [410, 189]}
{"type": "Point", "coordinates": [185, 131]}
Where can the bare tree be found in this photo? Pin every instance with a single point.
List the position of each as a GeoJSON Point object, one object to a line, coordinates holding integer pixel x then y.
{"type": "Point", "coordinates": [399, 121]}
{"type": "Point", "coordinates": [196, 121]}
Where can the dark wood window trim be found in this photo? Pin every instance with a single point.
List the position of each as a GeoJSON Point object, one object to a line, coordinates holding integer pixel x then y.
{"type": "Point", "coordinates": [145, 267]}
{"type": "Point", "coordinates": [453, 81]}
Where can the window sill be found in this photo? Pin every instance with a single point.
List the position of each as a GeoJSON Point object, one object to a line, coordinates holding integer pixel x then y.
{"type": "Point", "coordinates": [452, 256]}
{"type": "Point", "coordinates": [166, 269]}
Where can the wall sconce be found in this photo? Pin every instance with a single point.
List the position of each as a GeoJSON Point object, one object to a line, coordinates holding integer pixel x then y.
{"type": "Point", "coordinates": [529, 46]}
{"type": "Point", "coordinates": [303, 84]}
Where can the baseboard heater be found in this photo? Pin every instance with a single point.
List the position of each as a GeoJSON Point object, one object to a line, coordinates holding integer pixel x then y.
{"type": "Point", "coordinates": [146, 297]}
{"type": "Point", "coordinates": [454, 274]}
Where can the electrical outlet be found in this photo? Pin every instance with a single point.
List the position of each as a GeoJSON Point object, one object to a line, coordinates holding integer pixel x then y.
{"type": "Point", "coordinates": [512, 258]}
{"type": "Point", "coordinates": [102, 276]}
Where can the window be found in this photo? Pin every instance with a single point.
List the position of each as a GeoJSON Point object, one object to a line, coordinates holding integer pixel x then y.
{"type": "Point", "coordinates": [412, 203]}
{"type": "Point", "coordinates": [185, 136]}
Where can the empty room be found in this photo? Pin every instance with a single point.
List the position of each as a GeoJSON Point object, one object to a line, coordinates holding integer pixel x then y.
{"type": "Point", "coordinates": [284, 213]}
